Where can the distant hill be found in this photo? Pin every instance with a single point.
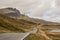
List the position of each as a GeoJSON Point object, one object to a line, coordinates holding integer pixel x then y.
{"type": "Point", "coordinates": [40, 21]}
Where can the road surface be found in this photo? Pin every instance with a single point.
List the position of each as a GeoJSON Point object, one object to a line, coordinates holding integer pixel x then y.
{"type": "Point", "coordinates": [13, 36]}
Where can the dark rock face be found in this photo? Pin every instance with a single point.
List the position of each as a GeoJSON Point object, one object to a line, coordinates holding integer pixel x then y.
{"type": "Point", "coordinates": [15, 12]}
{"type": "Point", "coordinates": [10, 12]}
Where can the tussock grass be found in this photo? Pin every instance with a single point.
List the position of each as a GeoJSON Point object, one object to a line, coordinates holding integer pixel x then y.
{"type": "Point", "coordinates": [14, 25]}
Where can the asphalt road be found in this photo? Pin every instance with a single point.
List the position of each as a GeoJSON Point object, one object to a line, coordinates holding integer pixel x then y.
{"type": "Point", "coordinates": [13, 36]}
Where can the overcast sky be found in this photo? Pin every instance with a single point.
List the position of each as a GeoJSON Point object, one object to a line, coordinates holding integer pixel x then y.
{"type": "Point", "coordinates": [44, 9]}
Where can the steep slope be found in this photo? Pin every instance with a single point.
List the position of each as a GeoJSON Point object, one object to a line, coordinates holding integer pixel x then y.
{"type": "Point", "coordinates": [12, 25]}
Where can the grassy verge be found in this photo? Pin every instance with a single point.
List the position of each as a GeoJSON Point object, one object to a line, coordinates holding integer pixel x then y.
{"type": "Point", "coordinates": [34, 37]}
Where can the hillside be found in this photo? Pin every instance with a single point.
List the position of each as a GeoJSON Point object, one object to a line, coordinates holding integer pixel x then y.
{"type": "Point", "coordinates": [12, 25]}
{"type": "Point", "coordinates": [12, 21]}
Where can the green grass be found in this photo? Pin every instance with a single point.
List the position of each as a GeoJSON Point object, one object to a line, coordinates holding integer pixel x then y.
{"type": "Point", "coordinates": [34, 37]}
